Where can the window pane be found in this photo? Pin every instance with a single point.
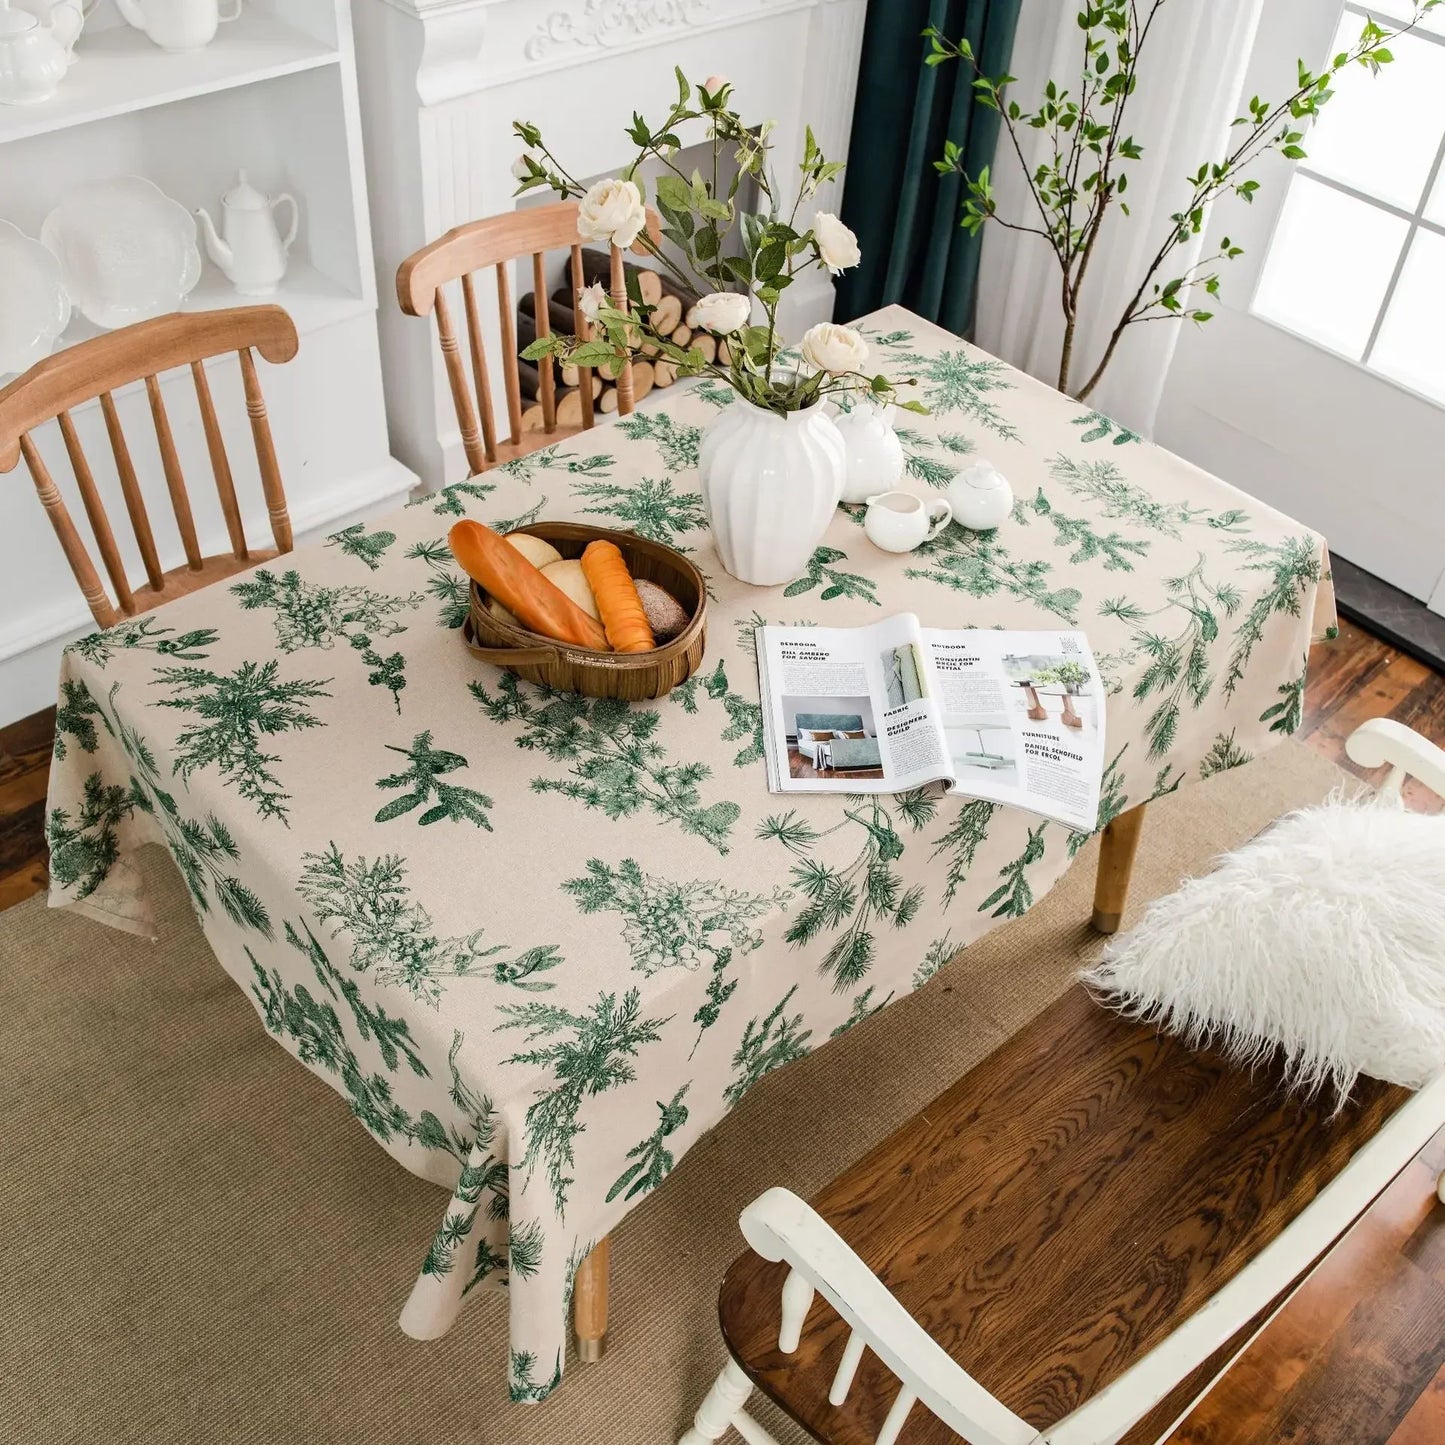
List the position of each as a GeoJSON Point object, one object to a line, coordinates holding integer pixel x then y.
{"type": "Point", "coordinates": [1435, 208]}
{"type": "Point", "coordinates": [1389, 13]}
{"type": "Point", "coordinates": [1408, 347]}
{"type": "Point", "coordinates": [1380, 133]}
{"type": "Point", "coordinates": [1328, 266]}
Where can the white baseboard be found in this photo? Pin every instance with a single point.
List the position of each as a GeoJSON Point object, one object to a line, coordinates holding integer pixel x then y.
{"type": "Point", "coordinates": [30, 645]}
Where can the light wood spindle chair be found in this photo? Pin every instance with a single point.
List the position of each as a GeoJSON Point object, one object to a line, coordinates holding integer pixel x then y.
{"type": "Point", "coordinates": [53, 388]}
{"type": "Point", "coordinates": [421, 283]}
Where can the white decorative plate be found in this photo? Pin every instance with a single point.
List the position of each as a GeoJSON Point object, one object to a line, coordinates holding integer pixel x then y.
{"type": "Point", "coordinates": [126, 249]}
{"type": "Point", "coordinates": [34, 308]}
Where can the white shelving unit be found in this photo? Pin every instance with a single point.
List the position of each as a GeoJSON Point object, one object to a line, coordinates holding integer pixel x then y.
{"type": "Point", "coordinates": [274, 93]}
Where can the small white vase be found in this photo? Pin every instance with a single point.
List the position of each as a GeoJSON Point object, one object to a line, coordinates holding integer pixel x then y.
{"type": "Point", "coordinates": [874, 453]}
{"type": "Point", "coordinates": [770, 484]}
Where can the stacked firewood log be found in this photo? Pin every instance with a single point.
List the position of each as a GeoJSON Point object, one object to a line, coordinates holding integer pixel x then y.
{"type": "Point", "coordinates": [674, 316]}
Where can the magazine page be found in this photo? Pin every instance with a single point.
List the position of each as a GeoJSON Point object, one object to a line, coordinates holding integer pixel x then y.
{"type": "Point", "coordinates": [849, 710]}
{"type": "Point", "coordinates": [1023, 719]}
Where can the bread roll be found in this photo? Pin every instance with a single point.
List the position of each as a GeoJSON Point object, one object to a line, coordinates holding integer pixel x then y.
{"type": "Point", "coordinates": [534, 549]}
{"type": "Point", "coordinates": [665, 614]}
{"type": "Point", "coordinates": [567, 575]}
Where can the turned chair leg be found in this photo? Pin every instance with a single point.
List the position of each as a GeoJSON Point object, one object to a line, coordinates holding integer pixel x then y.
{"type": "Point", "coordinates": [1116, 864]}
{"type": "Point", "coordinates": [589, 1303]}
{"type": "Point", "coordinates": [721, 1408]}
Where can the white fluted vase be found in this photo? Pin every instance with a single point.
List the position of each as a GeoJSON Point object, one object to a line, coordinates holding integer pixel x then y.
{"type": "Point", "coordinates": [771, 485]}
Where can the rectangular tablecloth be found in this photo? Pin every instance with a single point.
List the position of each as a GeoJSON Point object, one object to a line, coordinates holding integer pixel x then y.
{"type": "Point", "coordinates": [542, 943]}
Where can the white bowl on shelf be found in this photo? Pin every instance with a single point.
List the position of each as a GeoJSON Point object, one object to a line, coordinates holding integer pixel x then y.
{"type": "Point", "coordinates": [127, 251]}
{"type": "Point", "coordinates": [34, 308]}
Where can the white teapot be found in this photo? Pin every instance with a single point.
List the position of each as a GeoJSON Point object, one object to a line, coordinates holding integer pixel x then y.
{"type": "Point", "coordinates": [251, 251]}
{"type": "Point", "coordinates": [874, 453]}
{"type": "Point", "coordinates": [981, 496]}
{"type": "Point", "coordinates": [35, 53]}
{"type": "Point", "coordinates": [177, 24]}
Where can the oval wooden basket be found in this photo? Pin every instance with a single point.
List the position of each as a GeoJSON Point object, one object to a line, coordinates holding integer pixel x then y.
{"type": "Point", "coordinates": [631, 676]}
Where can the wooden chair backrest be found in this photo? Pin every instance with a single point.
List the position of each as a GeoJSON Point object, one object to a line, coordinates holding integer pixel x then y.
{"type": "Point", "coordinates": [52, 388]}
{"type": "Point", "coordinates": [498, 241]}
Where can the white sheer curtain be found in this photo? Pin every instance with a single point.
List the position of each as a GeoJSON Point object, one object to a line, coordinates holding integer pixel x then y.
{"type": "Point", "coordinates": [1188, 93]}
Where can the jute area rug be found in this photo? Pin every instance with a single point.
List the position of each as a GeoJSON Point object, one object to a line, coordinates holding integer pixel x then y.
{"type": "Point", "coordinates": [198, 1244]}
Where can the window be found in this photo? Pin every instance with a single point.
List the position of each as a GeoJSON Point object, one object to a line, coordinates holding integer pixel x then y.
{"type": "Point", "coordinates": [1357, 260]}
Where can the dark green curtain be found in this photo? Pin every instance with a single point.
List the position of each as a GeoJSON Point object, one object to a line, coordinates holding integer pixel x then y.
{"type": "Point", "coordinates": [904, 213]}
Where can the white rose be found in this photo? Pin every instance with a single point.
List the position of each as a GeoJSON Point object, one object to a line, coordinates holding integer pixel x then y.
{"type": "Point", "coordinates": [520, 169]}
{"type": "Point", "coordinates": [834, 348]}
{"type": "Point", "coordinates": [837, 245]}
{"type": "Point", "coordinates": [612, 211]}
{"type": "Point", "coordinates": [723, 311]}
{"type": "Point", "coordinates": [591, 299]}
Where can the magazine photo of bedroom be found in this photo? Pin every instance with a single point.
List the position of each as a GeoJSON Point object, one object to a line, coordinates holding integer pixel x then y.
{"type": "Point", "coordinates": [831, 737]}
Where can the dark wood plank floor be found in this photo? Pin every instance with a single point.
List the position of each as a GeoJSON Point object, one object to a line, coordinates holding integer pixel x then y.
{"type": "Point", "coordinates": [1357, 1357]}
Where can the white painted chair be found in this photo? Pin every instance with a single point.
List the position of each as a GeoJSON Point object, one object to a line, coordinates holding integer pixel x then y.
{"type": "Point", "coordinates": [864, 1317]}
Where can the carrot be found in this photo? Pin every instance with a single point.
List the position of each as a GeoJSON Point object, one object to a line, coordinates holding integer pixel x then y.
{"type": "Point", "coordinates": [535, 602]}
{"type": "Point", "coordinates": [617, 600]}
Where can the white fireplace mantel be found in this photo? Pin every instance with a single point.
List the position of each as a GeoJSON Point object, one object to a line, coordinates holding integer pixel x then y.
{"type": "Point", "coordinates": [442, 80]}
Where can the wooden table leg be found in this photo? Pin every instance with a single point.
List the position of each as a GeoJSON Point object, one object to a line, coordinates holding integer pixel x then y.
{"type": "Point", "coordinates": [1116, 864]}
{"type": "Point", "coordinates": [589, 1303]}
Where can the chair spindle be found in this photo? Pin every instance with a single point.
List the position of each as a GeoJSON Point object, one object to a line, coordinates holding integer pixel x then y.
{"type": "Point", "coordinates": [547, 385]}
{"type": "Point", "coordinates": [584, 333]}
{"type": "Point", "coordinates": [481, 375]}
{"type": "Point", "coordinates": [457, 381]}
{"type": "Point", "coordinates": [893, 1425]}
{"type": "Point", "coordinates": [797, 1301]}
{"type": "Point", "coordinates": [95, 515]}
{"type": "Point", "coordinates": [85, 574]}
{"type": "Point", "coordinates": [847, 1369]}
{"type": "Point", "coordinates": [619, 299]}
{"type": "Point", "coordinates": [271, 486]}
{"type": "Point", "coordinates": [510, 375]}
{"type": "Point", "coordinates": [220, 463]}
{"type": "Point", "coordinates": [175, 478]}
{"type": "Point", "coordinates": [135, 506]}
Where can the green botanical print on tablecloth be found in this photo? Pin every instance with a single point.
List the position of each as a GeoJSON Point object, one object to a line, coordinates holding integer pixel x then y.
{"type": "Point", "coordinates": [720, 988]}
{"type": "Point", "coordinates": [1102, 482]}
{"type": "Point", "coordinates": [960, 842]}
{"type": "Point", "coordinates": [1101, 426]}
{"type": "Point", "coordinates": [1285, 716]}
{"type": "Point", "coordinates": [746, 716]}
{"type": "Point", "coordinates": [522, 519]}
{"type": "Point", "coordinates": [310, 614]}
{"type": "Point", "coordinates": [679, 445]}
{"type": "Point", "coordinates": [652, 1159]}
{"type": "Point", "coordinates": [835, 583]}
{"type": "Point", "coordinates": [236, 710]}
{"type": "Point", "coordinates": [918, 461]}
{"type": "Point", "coordinates": [74, 715]}
{"type": "Point", "coordinates": [954, 381]}
{"type": "Point", "coordinates": [552, 459]}
{"type": "Point", "coordinates": [940, 951]}
{"type": "Point", "coordinates": [588, 1054]}
{"type": "Point", "coordinates": [450, 588]}
{"type": "Point", "coordinates": [1079, 533]}
{"type": "Point", "coordinates": [356, 542]}
{"type": "Point", "coordinates": [1224, 753]}
{"type": "Point", "coordinates": [852, 898]}
{"type": "Point", "coordinates": [863, 1008]}
{"type": "Point", "coordinates": [144, 634]}
{"type": "Point", "coordinates": [524, 1390]}
{"type": "Point", "coordinates": [84, 847]}
{"type": "Point", "coordinates": [394, 938]}
{"type": "Point", "coordinates": [1014, 896]}
{"type": "Point", "coordinates": [767, 1044]}
{"type": "Point", "coordinates": [650, 507]}
{"type": "Point", "coordinates": [524, 1248]}
{"type": "Point", "coordinates": [617, 765]}
{"type": "Point", "coordinates": [422, 782]}
{"type": "Point", "coordinates": [1294, 569]}
{"type": "Point", "coordinates": [714, 393]}
{"type": "Point", "coordinates": [978, 563]}
{"type": "Point", "coordinates": [452, 501]}
{"type": "Point", "coordinates": [667, 924]}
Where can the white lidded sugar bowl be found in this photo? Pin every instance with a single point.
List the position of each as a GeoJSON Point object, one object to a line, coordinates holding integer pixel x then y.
{"type": "Point", "coordinates": [35, 53]}
{"type": "Point", "coordinates": [981, 497]}
{"type": "Point", "coordinates": [874, 454]}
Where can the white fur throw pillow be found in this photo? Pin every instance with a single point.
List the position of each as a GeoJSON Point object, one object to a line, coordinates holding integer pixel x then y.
{"type": "Point", "coordinates": [1324, 938]}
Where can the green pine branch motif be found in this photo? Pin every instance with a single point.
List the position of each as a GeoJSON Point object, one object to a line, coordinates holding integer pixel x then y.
{"type": "Point", "coordinates": [310, 614]}
{"type": "Point", "coordinates": [236, 711]}
{"type": "Point", "coordinates": [422, 782]}
{"type": "Point", "coordinates": [652, 1159]}
{"type": "Point", "coordinates": [75, 715]}
{"type": "Point", "coordinates": [918, 458]}
{"type": "Point", "coordinates": [1117, 551]}
{"type": "Point", "coordinates": [672, 925]}
{"type": "Point", "coordinates": [834, 582]}
{"type": "Point", "coordinates": [522, 519]}
{"type": "Point", "coordinates": [394, 938]}
{"type": "Point", "coordinates": [615, 762]}
{"type": "Point", "coordinates": [720, 988]}
{"type": "Point", "coordinates": [1294, 567]}
{"type": "Point", "coordinates": [960, 843]}
{"type": "Point", "coordinates": [587, 1054]}
{"type": "Point", "coordinates": [850, 900]}
{"type": "Point", "coordinates": [1286, 715]}
{"type": "Point", "coordinates": [1101, 427]}
{"type": "Point", "coordinates": [552, 459]}
{"type": "Point", "coordinates": [1117, 497]}
{"type": "Point", "coordinates": [356, 542]}
{"type": "Point", "coordinates": [450, 588]}
{"type": "Point", "coordinates": [767, 1044]}
{"type": "Point", "coordinates": [863, 1008]}
{"type": "Point", "coordinates": [524, 1390]}
{"type": "Point", "coordinates": [954, 381]}
{"type": "Point", "coordinates": [940, 951]}
{"type": "Point", "coordinates": [452, 501]}
{"type": "Point", "coordinates": [524, 1249]}
{"type": "Point", "coordinates": [1014, 896]}
{"type": "Point", "coordinates": [679, 445]}
{"type": "Point", "coordinates": [977, 563]}
{"type": "Point", "coordinates": [650, 507]}
{"type": "Point", "coordinates": [714, 393]}
{"type": "Point", "coordinates": [84, 847]}
{"type": "Point", "coordinates": [1112, 801]}
{"type": "Point", "coordinates": [1224, 753]}
{"type": "Point", "coordinates": [745, 716]}
{"type": "Point", "coordinates": [144, 634]}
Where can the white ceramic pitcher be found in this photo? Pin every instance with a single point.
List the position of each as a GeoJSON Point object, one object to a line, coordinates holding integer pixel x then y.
{"type": "Point", "coordinates": [35, 53]}
{"type": "Point", "coordinates": [250, 248]}
{"type": "Point", "coordinates": [178, 24]}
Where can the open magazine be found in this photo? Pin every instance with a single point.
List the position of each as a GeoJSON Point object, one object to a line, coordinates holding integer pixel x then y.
{"type": "Point", "coordinates": [1012, 717]}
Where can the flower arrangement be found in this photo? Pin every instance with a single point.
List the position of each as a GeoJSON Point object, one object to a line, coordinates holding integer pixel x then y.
{"type": "Point", "coordinates": [740, 262]}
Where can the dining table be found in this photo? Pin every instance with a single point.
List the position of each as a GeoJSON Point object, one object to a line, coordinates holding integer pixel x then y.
{"type": "Point", "coordinates": [542, 943]}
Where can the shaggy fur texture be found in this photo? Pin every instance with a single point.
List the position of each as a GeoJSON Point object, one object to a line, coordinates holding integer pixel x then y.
{"type": "Point", "coordinates": [1324, 938]}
